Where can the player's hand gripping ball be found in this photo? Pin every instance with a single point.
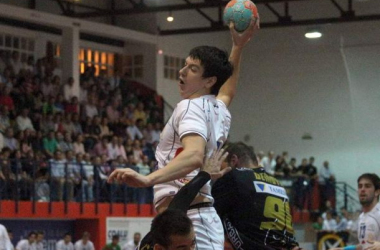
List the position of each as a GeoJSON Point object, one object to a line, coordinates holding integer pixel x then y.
{"type": "Point", "coordinates": [240, 13]}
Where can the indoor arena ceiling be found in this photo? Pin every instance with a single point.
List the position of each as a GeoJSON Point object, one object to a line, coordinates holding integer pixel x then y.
{"type": "Point", "coordinates": [274, 13]}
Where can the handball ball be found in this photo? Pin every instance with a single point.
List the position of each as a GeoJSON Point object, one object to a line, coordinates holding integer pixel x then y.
{"type": "Point", "coordinates": [240, 13]}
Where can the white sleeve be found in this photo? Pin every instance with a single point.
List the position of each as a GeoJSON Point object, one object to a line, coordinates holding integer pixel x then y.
{"type": "Point", "coordinates": [92, 246]}
{"type": "Point", "coordinates": [190, 118]}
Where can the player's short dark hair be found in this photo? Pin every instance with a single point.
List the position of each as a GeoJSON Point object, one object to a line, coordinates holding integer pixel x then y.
{"type": "Point", "coordinates": [40, 233]}
{"type": "Point", "coordinates": [115, 237]}
{"type": "Point", "coordinates": [170, 222]}
{"type": "Point", "coordinates": [31, 233]}
{"type": "Point", "coordinates": [215, 62]}
{"type": "Point", "coordinates": [374, 178]}
{"type": "Point", "coordinates": [244, 152]}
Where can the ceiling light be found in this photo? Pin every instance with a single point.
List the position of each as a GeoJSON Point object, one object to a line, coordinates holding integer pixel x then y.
{"type": "Point", "coordinates": [170, 18]}
{"type": "Point", "coordinates": [313, 34]}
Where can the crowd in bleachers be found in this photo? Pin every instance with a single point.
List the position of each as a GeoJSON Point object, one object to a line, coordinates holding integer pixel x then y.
{"type": "Point", "coordinates": [58, 144]}
{"type": "Point", "coordinates": [306, 178]}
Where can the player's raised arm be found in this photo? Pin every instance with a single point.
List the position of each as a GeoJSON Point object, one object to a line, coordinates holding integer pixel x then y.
{"type": "Point", "coordinates": [239, 40]}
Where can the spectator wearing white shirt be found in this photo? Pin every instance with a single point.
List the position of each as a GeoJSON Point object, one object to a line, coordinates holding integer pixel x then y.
{"type": "Point", "coordinates": [27, 244]}
{"type": "Point", "coordinates": [113, 149]}
{"type": "Point", "coordinates": [65, 243]}
{"type": "Point", "coordinates": [327, 183]}
{"type": "Point", "coordinates": [132, 244]}
{"type": "Point", "coordinates": [90, 109]}
{"type": "Point", "coordinates": [269, 162]}
{"type": "Point", "coordinates": [38, 244]}
{"type": "Point", "coordinates": [84, 243]}
{"type": "Point", "coordinates": [329, 224]}
{"type": "Point", "coordinates": [69, 90]}
{"type": "Point", "coordinates": [57, 172]}
{"type": "Point", "coordinates": [5, 242]}
{"type": "Point", "coordinates": [23, 120]}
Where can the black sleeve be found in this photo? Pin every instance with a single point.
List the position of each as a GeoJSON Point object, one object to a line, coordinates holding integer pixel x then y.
{"type": "Point", "coordinates": [224, 194]}
{"type": "Point", "coordinates": [186, 195]}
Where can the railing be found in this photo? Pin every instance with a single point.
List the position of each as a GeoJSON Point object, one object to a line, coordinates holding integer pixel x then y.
{"type": "Point", "coordinates": [41, 181]}
{"type": "Point", "coordinates": [346, 196]}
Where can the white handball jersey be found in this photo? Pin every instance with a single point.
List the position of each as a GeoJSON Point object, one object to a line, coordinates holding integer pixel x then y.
{"type": "Point", "coordinates": [80, 246]}
{"type": "Point", "coordinates": [205, 116]}
{"type": "Point", "coordinates": [25, 245]}
{"type": "Point", "coordinates": [369, 226]}
{"type": "Point", "coordinates": [5, 242]}
{"type": "Point", "coordinates": [62, 246]}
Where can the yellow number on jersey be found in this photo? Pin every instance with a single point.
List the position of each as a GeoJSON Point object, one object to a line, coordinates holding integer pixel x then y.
{"type": "Point", "coordinates": [279, 212]}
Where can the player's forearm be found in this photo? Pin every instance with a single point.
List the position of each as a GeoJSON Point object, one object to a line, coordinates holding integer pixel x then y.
{"type": "Point", "coordinates": [229, 87]}
{"type": "Point", "coordinates": [179, 167]}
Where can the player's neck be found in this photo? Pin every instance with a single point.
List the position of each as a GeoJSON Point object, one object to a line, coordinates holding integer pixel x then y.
{"type": "Point", "coordinates": [369, 208]}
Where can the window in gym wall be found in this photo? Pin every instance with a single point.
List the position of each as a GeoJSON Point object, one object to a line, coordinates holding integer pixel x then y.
{"type": "Point", "coordinates": [23, 45]}
{"type": "Point", "coordinates": [172, 65]}
{"type": "Point", "coordinates": [104, 62]}
{"type": "Point", "coordinates": [134, 65]}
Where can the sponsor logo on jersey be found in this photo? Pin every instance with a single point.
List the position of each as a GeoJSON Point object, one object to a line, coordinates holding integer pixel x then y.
{"type": "Point", "coordinates": [262, 187]}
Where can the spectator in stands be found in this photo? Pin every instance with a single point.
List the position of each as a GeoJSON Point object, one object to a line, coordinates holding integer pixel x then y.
{"type": "Point", "coordinates": [88, 178]}
{"type": "Point", "coordinates": [38, 100]}
{"type": "Point", "coordinates": [113, 113]}
{"type": "Point", "coordinates": [65, 243]}
{"type": "Point", "coordinates": [137, 151]}
{"type": "Point", "coordinates": [23, 121]}
{"type": "Point", "coordinates": [59, 104]}
{"type": "Point", "coordinates": [114, 245]}
{"type": "Point", "coordinates": [73, 106]}
{"type": "Point", "coordinates": [144, 169]}
{"type": "Point", "coordinates": [69, 89]}
{"type": "Point", "coordinates": [101, 147]}
{"type": "Point", "coordinates": [7, 177]}
{"type": "Point", "coordinates": [105, 131]}
{"type": "Point", "coordinates": [6, 99]}
{"type": "Point", "coordinates": [58, 173]}
{"type": "Point", "coordinates": [133, 131]}
{"type": "Point", "coordinates": [139, 113]}
{"type": "Point", "coordinates": [27, 244]}
{"type": "Point", "coordinates": [42, 178]}
{"type": "Point", "coordinates": [113, 148]}
{"type": "Point", "coordinates": [15, 62]}
{"type": "Point", "coordinates": [121, 148]}
{"type": "Point", "coordinates": [9, 140]}
{"type": "Point", "coordinates": [62, 144]}
{"type": "Point", "coordinates": [48, 108]}
{"type": "Point", "coordinates": [133, 244]}
{"type": "Point", "coordinates": [67, 124]}
{"type": "Point", "coordinates": [23, 179]}
{"type": "Point", "coordinates": [327, 183]}
{"type": "Point", "coordinates": [341, 223]}
{"type": "Point", "coordinates": [269, 162]}
{"type": "Point", "coordinates": [37, 142]}
{"type": "Point", "coordinates": [292, 167]}
{"type": "Point", "coordinates": [90, 108]}
{"type": "Point", "coordinates": [77, 125]}
{"type": "Point", "coordinates": [38, 244]}
{"type": "Point", "coordinates": [329, 224]}
{"type": "Point", "coordinates": [318, 225]}
{"type": "Point", "coordinates": [281, 167]}
{"type": "Point", "coordinates": [83, 92]}
{"type": "Point", "coordinates": [47, 87]}
{"type": "Point", "coordinates": [78, 146]}
{"type": "Point", "coordinates": [85, 243]}
{"type": "Point", "coordinates": [4, 119]}
{"type": "Point", "coordinates": [302, 187]}
{"type": "Point", "coordinates": [132, 192]}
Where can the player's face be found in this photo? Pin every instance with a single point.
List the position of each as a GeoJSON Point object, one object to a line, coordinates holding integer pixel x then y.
{"type": "Point", "coordinates": [40, 237]}
{"type": "Point", "coordinates": [366, 192]}
{"type": "Point", "coordinates": [192, 84]}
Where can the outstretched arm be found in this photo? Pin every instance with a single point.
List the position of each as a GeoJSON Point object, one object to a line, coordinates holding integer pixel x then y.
{"type": "Point", "coordinates": [210, 170]}
{"type": "Point", "coordinates": [189, 159]}
{"type": "Point", "coordinates": [239, 40]}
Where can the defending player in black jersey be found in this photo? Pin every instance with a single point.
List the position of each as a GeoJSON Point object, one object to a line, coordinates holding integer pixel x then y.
{"type": "Point", "coordinates": [252, 204]}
